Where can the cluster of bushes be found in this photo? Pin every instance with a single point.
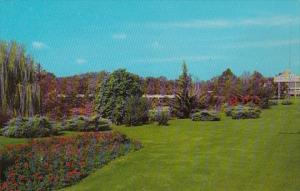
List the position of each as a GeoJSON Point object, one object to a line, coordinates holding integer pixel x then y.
{"type": "Point", "coordinates": [286, 102]}
{"type": "Point", "coordinates": [273, 102]}
{"type": "Point", "coordinates": [243, 112]}
{"type": "Point", "coordinates": [206, 115]}
{"type": "Point", "coordinates": [160, 115]}
{"type": "Point", "coordinates": [37, 126]}
{"type": "Point", "coordinates": [136, 111]}
{"type": "Point", "coordinates": [29, 127]}
{"type": "Point", "coordinates": [53, 163]}
{"type": "Point", "coordinates": [264, 103]}
{"type": "Point", "coordinates": [84, 123]}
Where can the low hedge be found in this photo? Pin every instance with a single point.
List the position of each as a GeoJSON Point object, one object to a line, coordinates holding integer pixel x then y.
{"type": "Point", "coordinates": [84, 123]}
{"type": "Point", "coordinates": [273, 102]}
{"type": "Point", "coordinates": [206, 115]}
{"type": "Point", "coordinates": [245, 112]}
{"type": "Point", "coordinates": [32, 127]}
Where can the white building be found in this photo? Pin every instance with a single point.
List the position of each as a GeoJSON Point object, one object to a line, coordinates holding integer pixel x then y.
{"type": "Point", "coordinates": [292, 81]}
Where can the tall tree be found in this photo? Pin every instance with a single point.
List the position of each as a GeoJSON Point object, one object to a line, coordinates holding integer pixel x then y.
{"type": "Point", "coordinates": [184, 99]}
{"type": "Point", "coordinates": [113, 93]}
{"type": "Point", "coordinates": [19, 88]}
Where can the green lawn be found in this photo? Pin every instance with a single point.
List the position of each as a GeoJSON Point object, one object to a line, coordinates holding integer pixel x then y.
{"type": "Point", "coordinates": [258, 154]}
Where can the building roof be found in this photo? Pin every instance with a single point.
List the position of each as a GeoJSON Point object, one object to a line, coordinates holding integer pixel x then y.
{"type": "Point", "coordinates": [287, 76]}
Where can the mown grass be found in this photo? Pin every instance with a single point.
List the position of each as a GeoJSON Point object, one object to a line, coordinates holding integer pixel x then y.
{"type": "Point", "coordinates": [257, 154]}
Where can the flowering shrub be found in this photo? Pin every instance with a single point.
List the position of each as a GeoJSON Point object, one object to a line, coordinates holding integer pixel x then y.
{"type": "Point", "coordinates": [29, 127]}
{"type": "Point", "coordinates": [83, 123]}
{"type": "Point", "coordinates": [53, 163]}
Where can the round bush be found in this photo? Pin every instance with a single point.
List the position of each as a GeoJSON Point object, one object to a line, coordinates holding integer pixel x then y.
{"type": "Point", "coordinates": [84, 123]}
{"type": "Point", "coordinates": [245, 112]}
{"type": "Point", "coordinates": [32, 127]}
{"type": "Point", "coordinates": [206, 115]}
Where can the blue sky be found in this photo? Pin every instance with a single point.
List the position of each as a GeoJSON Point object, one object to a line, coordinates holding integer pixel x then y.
{"type": "Point", "coordinates": [152, 38]}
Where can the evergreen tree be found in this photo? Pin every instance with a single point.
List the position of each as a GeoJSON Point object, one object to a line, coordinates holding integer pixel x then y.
{"type": "Point", "coordinates": [184, 99]}
{"type": "Point", "coordinates": [113, 92]}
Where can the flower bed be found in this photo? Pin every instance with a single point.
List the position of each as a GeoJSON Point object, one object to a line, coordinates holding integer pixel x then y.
{"type": "Point", "coordinates": [52, 163]}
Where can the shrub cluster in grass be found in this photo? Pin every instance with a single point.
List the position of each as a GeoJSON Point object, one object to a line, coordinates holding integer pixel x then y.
{"type": "Point", "coordinates": [244, 112]}
{"type": "Point", "coordinates": [23, 127]}
{"type": "Point", "coordinates": [136, 111]}
{"type": "Point", "coordinates": [264, 103]}
{"type": "Point", "coordinates": [53, 163]}
{"type": "Point", "coordinates": [84, 123]}
{"type": "Point", "coordinates": [206, 115]}
{"type": "Point", "coordinates": [273, 102]}
{"type": "Point", "coordinates": [160, 115]}
{"type": "Point", "coordinates": [286, 102]}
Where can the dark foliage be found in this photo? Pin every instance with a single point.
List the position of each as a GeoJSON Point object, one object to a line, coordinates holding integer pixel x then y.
{"type": "Point", "coordinates": [136, 111]}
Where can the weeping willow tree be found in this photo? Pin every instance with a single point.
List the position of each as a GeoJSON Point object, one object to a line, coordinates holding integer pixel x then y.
{"type": "Point", "coordinates": [19, 88]}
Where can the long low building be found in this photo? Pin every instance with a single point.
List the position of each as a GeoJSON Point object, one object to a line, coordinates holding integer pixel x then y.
{"type": "Point", "coordinates": [292, 81]}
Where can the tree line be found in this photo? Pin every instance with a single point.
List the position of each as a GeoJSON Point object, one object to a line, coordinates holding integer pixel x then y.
{"type": "Point", "coordinates": [26, 89]}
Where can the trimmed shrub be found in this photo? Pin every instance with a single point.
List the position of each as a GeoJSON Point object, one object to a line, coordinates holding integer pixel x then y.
{"type": "Point", "coordinates": [206, 115]}
{"type": "Point", "coordinates": [286, 102]}
{"type": "Point", "coordinates": [228, 111]}
{"type": "Point", "coordinates": [136, 111]}
{"type": "Point", "coordinates": [264, 103]}
{"type": "Point", "coordinates": [273, 102]}
{"type": "Point", "coordinates": [161, 116]}
{"type": "Point", "coordinates": [84, 123]}
{"type": "Point", "coordinates": [22, 127]}
{"type": "Point", "coordinates": [245, 112]}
